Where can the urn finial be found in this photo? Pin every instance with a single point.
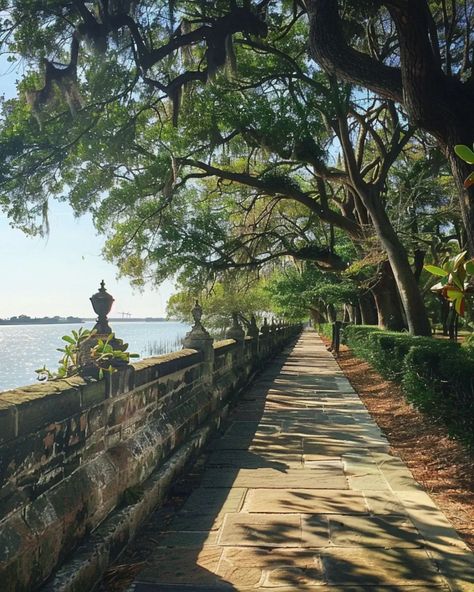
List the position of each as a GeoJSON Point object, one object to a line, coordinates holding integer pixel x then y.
{"type": "Point", "coordinates": [102, 304]}
{"type": "Point", "coordinates": [197, 314]}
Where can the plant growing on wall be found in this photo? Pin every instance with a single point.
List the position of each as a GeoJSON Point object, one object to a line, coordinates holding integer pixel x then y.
{"type": "Point", "coordinates": [103, 355]}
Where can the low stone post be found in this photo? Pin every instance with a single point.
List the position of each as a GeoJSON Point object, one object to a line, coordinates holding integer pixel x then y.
{"type": "Point", "coordinates": [273, 333]}
{"type": "Point", "coordinates": [265, 338]}
{"type": "Point", "coordinates": [336, 337]}
{"type": "Point", "coordinates": [236, 332]}
{"type": "Point", "coordinates": [198, 338]}
{"type": "Point", "coordinates": [253, 332]}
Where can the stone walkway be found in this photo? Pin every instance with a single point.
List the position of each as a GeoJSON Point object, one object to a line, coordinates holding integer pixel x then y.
{"type": "Point", "coordinates": [302, 493]}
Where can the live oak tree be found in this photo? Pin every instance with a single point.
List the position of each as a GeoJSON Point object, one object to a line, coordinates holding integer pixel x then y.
{"type": "Point", "coordinates": [299, 290]}
{"type": "Point", "coordinates": [418, 53]}
{"type": "Point", "coordinates": [233, 293]}
{"type": "Point", "coordinates": [134, 118]}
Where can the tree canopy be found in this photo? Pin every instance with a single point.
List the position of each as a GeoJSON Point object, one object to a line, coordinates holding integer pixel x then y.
{"type": "Point", "coordinates": [203, 139]}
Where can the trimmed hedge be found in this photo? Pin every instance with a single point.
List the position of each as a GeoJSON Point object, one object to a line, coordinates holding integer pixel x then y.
{"type": "Point", "coordinates": [357, 337]}
{"type": "Point", "coordinates": [436, 376]}
{"type": "Point", "coordinates": [385, 350]}
{"type": "Point", "coordinates": [439, 379]}
{"type": "Point", "coordinates": [325, 329]}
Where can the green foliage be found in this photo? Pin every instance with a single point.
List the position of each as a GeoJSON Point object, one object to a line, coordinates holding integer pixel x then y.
{"type": "Point", "coordinates": [438, 378]}
{"type": "Point", "coordinates": [122, 154]}
{"type": "Point", "coordinates": [456, 274]}
{"type": "Point", "coordinates": [224, 174]}
{"type": "Point", "coordinates": [102, 355]}
{"type": "Point", "coordinates": [466, 154]}
{"type": "Point", "coordinates": [223, 299]}
{"type": "Point", "coordinates": [325, 329]}
{"type": "Point", "coordinates": [106, 357]}
{"type": "Point", "coordinates": [385, 350]}
{"type": "Point", "coordinates": [357, 338]}
{"type": "Point", "coordinates": [295, 292]}
{"type": "Point", "coordinates": [69, 364]}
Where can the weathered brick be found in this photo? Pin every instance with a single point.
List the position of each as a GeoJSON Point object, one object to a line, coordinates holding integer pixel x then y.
{"type": "Point", "coordinates": [32, 454]}
{"type": "Point", "coordinates": [43, 404]}
{"type": "Point", "coordinates": [93, 393]}
{"type": "Point", "coordinates": [18, 553]}
{"type": "Point", "coordinates": [8, 421]}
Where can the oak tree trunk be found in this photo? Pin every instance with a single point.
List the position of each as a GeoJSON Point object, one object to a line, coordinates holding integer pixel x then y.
{"type": "Point", "coordinates": [436, 102]}
{"type": "Point", "coordinates": [410, 295]}
{"type": "Point", "coordinates": [387, 301]}
{"type": "Point", "coordinates": [368, 310]}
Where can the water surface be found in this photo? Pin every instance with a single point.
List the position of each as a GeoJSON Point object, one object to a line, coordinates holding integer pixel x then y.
{"type": "Point", "coordinates": [24, 348]}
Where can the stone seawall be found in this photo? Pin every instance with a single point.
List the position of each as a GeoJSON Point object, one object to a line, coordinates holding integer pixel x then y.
{"type": "Point", "coordinates": [83, 464]}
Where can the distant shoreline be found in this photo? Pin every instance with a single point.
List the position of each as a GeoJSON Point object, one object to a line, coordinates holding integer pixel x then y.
{"type": "Point", "coordinates": [45, 321]}
{"type": "Point", "coordinates": [77, 321]}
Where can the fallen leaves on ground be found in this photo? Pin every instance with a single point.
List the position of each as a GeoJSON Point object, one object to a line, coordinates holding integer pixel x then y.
{"type": "Point", "coordinates": [443, 466]}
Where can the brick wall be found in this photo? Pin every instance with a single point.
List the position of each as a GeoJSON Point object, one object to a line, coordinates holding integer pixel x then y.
{"type": "Point", "coordinates": [72, 453]}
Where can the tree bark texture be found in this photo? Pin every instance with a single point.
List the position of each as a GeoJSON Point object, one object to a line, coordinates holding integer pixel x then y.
{"type": "Point", "coordinates": [410, 295]}
{"type": "Point", "coordinates": [387, 301]}
{"type": "Point", "coordinates": [436, 102]}
{"type": "Point", "coordinates": [368, 309]}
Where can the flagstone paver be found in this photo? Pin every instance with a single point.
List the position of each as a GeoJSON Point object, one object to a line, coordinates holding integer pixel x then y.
{"type": "Point", "coordinates": [301, 492]}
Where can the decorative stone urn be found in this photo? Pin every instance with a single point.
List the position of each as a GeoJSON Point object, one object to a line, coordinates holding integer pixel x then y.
{"type": "Point", "coordinates": [235, 332]}
{"type": "Point", "coordinates": [252, 330]}
{"type": "Point", "coordinates": [102, 303]}
{"type": "Point", "coordinates": [265, 328]}
{"type": "Point", "coordinates": [198, 334]}
{"type": "Point", "coordinates": [198, 338]}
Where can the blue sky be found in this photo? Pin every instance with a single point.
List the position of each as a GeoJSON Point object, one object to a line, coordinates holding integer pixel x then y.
{"type": "Point", "coordinates": [57, 275]}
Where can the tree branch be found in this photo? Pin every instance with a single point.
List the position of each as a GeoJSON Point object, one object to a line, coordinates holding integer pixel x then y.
{"type": "Point", "coordinates": [330, 49]}
{"type": "Point", "coordinates": [284, 191]}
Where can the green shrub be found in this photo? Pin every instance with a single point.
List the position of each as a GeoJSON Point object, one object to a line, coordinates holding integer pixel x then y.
{"type": "Point", "coordinates": [389, 352]}
{"type": "Point", "coordinates": [438, 379]}
{"type": "Point", "coordinates": [325, 329]}
{"type": "Point", "coordinates": [385, 350]}
{"type": "Point", "coordinates": [437, 376]}
{"type": "Point", "coordinates": [357, 337]}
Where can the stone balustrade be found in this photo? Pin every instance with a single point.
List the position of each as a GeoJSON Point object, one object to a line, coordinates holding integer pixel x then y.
{"type": "Point", "coordinates": [84, 463]}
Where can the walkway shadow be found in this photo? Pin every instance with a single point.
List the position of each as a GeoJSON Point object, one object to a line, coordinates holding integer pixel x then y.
{"type": "Point", "coordinates": [178, 543]}
{"type": "Point", "coordinates": [217, 534]}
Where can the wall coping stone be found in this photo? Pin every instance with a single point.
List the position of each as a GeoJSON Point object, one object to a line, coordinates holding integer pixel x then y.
{"type": "Point", "coordinates": [26, 409]}
{"type": "Point", "coordinates": [27, 394]}
{"type": "Point", "coordinates": [32, 407]}
{"type": "Point", "coordinates": [165, 358]}
{"type": "Point", "coordinates": [221, 347]}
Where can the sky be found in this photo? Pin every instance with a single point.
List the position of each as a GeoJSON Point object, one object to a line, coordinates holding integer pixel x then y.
{"type": "Point", "coordinates": [57, 275]}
